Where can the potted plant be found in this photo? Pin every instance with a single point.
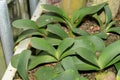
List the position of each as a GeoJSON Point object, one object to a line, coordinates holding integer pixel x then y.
{"type": "Point", "coordinates": [61, 49]}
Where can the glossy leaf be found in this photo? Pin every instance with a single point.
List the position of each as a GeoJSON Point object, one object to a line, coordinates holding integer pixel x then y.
{"type": "Point", "coordinates": [109, 53]}
{"type": "Point", "coordinates": [26, 34]}
{"type": "Point", "coordinates": [15, 60]}
{"type": "Point", "coordinates": [117, 65]}
{"type": "Point", "coordinates": [84, 66]}
{"type": "Point", "coordinates": [84, 43]}
{"type": "Point", "coordinates": [80, 32]}
{"type": "Point", "coordinates": [68, 75]}
{"type": "Point", "coordinates": [68, 63]}
{"type": "Point", "coordinates": [53, 41]}
{"type": "Point", "coordinates": [115, 30]}
{"type": "Point", "coordinates": [97, 42]}
{"type": "Point", "coordinates": [98, 20]}
{"type": "Point", "coordinates": [54, 9]}
{"type": "Point", "coordinates": [57, 29]}
{"type": "Point", "coordinates": [40, 59]}
{"type": "Point", "coordinates": [79, 15]}
{"type": "Point", "coordinates": [114, 61]}
{"type": "Point", "coordinates": [108, 14]}
{"type": "Point", "coordinates": [64, 45]}
{"type": "Point", "coordinates": [110, 25]}
{"type": "Point", "coordinates": [20, 62]}
{"type": "Point", "coordinates": [46, 19]}
{"type": "Point", "coordinates": [42, 44]}
{"type": "Point", "coordinates": [45, 73]}
{"type": "Point", "coordinates": [25, 23]}
{"type": "Point", "coordinates": [87, 55]}
{"type": "Point", "coordinates": [102, 35]}
{"type": "Point", "coordinates": [59, 68]}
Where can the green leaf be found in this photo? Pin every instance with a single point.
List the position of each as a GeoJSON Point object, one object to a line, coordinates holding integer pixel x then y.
{"type": "Point", "coordinates": [46, 19]}
{"type": "Point", "coordinates": [87, 55]}
{"type": "Point", "coordinates": [42, 44]}
{"type": "Point", "coordinates": [23, 64]}
{"type": "Point", "coordinates": [117, 66]}
{"type": "Point", "coordinates": [68, 75]}
{"type": "Point", "coordinates": [64, 45]}
{"type": "Point", "coordinates": [110, 25]}
{"type": "Point", "coordinates": [80, 32]}
{"type": "Point", "coordinates": [57, 29]}
{"type": "Point", "coordinates": [68, 53]}
{"type": "Point", "coordinates": [79, 15]}
{"type": "Point", "coordinates": [26, 34]}
{"type": "Point", "coordinates": [84, 42]}
{"type": "Point", "coordinates": [97, 42]}
{"type": "Point", "coordinates": [45, 73]}
{"type": "Point", "coordinates": [102, 35]}
{"type": "Point", "coordinates": [15, 60]}
{"type": "Point", "coordinates": [53, 41]}
{"type": "Point", "coordinates": [114, 61]}
{"type": "Point", "coordinates": [108, 54]}
{"type": "Point", "coordinates": [68, 63]}
{"type": "Point", "coordinates": [83, 66]}
{"type": "Point", "coordinates": [108, 14]}
{"type": "Point", "coordinates": [40, 59]}
{"type": "Point", "coordinates": [54, 9]}
{"type": "Point", "coordinates": [59, 68]}
{"type": "Point", "coordinates": [25, 23]}
{"type": "Point", "coordinates": [98, 19]}
{"type": "Point", "coordinates": [114, 29]}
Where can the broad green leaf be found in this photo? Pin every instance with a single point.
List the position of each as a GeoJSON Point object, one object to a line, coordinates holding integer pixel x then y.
{"type": "Point", "coordinates": [114, 61]}
{"type": "Point", "coordinates": [115, 30]}
{"type": "Point", "coordinates": [68, 53]}
{"type": "Point", "coordinates": [46, 19]}
{"type": "Point", "coordinates": [108, 14]}
{"type": "Point", "coordinates": [53, 41]}
{"type": "Point", "coordinates": [83, 66]}
{"type": "Point", "coordinates": [110, 25]}
{"type": "Point", "coordinates": [15, 60]}
{"type": "Point", "coordinates": [64, 45]}
{"type": "Point", "coordinates": [57, 29]}
{"type": "Point", "coordinates": [80, 32]}
{"type": "Point", "coordinates": [42, 44]}
{"type": "Point", "coordinates": [54, 9]}
{"type": "Point", "coordinates": [68, 63]}
{"type": "Point", "coordinates": [101, 34]}
{"type": "Point", "coordinates": [118, 75]}
{"type": "Point", "coordinates": [77, 17]}
{"type": "Point", "coordinates": [97, 42]}
{"type": "Point", "coordinates": [23, 63]}
{"type": "Point", "coordinates": [45, 73]}
{"type": "Point", "coordinates": [84, 43]}
{"type": "Point", "coordinates": [25, 23]}
{"type": "Point", "coordinates": [117, 65]}
{"type": "Point", "coordinates": [59, 68]}
{"type": "Point", "coordinates": [109, 53]}
{"type": "Point", "coordinates": [26, 34]}
{"type": "Point", "coordinates": [87, 55]}
{"type": "Point", "coordinates": [68, 75]}
{"type": "Point", "coordinates": [40, 59]}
